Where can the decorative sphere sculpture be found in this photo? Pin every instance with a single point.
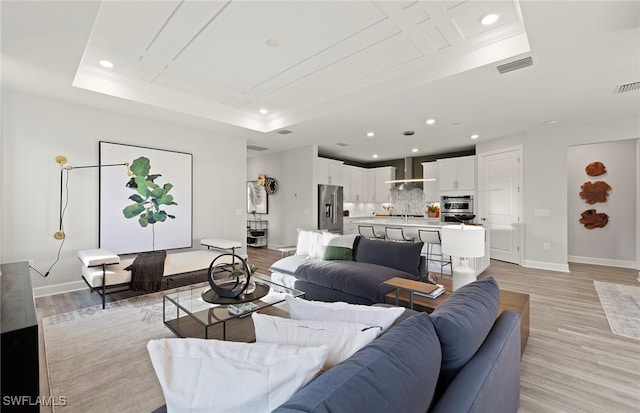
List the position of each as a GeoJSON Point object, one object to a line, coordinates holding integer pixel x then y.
{"type": "Point", "coordinates": [236, 288]}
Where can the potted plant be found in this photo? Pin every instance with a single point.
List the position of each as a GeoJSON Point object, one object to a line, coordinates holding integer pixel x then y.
{"type": "Point", "coordinates": [239, 272]}
{"type": "Point", "coordinates": [433, 211]}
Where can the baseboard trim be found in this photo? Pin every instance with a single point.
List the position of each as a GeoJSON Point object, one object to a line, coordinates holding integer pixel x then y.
{"type": "Point", "coordinates": [603, 261]}
{"type": "Point", "coordinates": [541, 265]}
{"type": "Point", "coordinates": [59, 288]}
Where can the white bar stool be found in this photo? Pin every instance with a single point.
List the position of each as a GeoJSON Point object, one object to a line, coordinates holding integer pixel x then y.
{"type": "Point", "coordinates": [396, 234]}
{"type": "Point", "coordinates": [367, 231]}
{"type": "Point", "coordinates": [431, 238]}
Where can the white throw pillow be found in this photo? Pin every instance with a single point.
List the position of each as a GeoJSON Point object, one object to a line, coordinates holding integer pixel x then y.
{"type": "Point", "coordinates": [343, 338]}
{"type": "Point", "coordinates": [301, 309]}
{"type": "Point", "coordinates": [222, 376]}
{"type": "Point", "coordinates": [316, 249]}
{"type": "Point", "coordinates": [327, 237]}
{"type": "Point", "coordinates": [342, 241]}
{"type": "Point", "coordinates": [304, 241]}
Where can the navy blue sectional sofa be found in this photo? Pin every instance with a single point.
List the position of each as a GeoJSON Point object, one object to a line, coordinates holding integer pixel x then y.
{"type": "Point", "coordinates": [458, 359]}
{"type": "Point", "coordinates": [357, 281]}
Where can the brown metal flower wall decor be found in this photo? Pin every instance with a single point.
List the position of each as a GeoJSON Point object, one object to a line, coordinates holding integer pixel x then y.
{"type": "Point", "coordinates": [594, 192]}
{"type": "Point", "coordinates": [592, 219]}
{"type": "Point", "coordinates": [595, 169]}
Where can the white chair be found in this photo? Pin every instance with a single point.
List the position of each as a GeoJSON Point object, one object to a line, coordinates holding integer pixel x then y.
{"type": "Point", "coordinates": [431, 239]}
{"type": "Point", "coordinates": [396, 234]}
{"type": "Point", "coordinates": [367, 231]}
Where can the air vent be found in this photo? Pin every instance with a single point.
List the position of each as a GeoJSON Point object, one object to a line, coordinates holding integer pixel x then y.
{"type": "Point", "coordinates": [629, 87]}
{"type": "Point", "coordinates": [256, 148]}
{"type": "Point", "coordinates": [342, 144]}
{"type": "Point", "coordinates": [515, 65]}
{"type": "Point", "coordinates": [284, 132]}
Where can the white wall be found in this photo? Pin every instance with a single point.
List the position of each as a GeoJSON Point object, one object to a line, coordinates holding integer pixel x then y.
{"type": "Point", "coordinates": [293, 205]}
{"type": "Point", "coordinates": [615, 243]}
{"type": "Point", "coordinates": [545, 181]}
{"type": "Point", "coordinates": [36, 129]}
{"type": "Point", "coordinates": [638, 207]}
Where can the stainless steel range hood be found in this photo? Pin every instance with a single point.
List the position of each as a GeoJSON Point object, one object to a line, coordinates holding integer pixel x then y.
{"type": "Point", "coordinates": [408, 182]}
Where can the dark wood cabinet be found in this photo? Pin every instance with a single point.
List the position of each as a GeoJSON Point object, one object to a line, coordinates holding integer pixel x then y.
{"type": "Point", "coordinates": [20, 364]}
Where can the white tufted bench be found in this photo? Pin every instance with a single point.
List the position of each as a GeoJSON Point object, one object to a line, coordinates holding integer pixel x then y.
{"type": "Point", "coordinates": [100, 264]}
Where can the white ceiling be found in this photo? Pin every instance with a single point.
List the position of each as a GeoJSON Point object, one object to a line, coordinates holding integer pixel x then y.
{"type": "Point", "coordinates": [339, 69]}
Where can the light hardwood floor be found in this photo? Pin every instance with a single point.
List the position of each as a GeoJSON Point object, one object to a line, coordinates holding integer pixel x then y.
{"type": "Point", "coordinates": [572, 363]}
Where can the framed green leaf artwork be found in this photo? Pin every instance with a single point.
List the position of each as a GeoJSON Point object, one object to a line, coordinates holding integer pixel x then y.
{"type": "Point", "coordinates": [150, 207]}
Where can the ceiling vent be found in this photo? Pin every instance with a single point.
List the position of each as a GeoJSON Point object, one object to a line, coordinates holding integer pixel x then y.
{"type": "Point", "coordinates": [342, 144]}
{"type": "Point", "coordinates": [256, 148]}
{"type": "Point", "coordinates": [629, 87]}
{"type": "Point", "coordinates": [515, 65]}
{"type": "Point", "coordinates": [284, 132]}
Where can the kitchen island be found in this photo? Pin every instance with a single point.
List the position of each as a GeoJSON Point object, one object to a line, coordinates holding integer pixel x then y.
{"type": "Point", "coordinates": [410, 227]}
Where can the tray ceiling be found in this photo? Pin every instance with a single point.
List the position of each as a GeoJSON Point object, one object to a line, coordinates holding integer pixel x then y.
{"type": "Point", "coordinates": [225, 61]}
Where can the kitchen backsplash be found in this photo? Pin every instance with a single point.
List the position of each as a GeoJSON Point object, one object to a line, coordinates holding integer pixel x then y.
{"type": "Point", "coordinates": [410, 202]}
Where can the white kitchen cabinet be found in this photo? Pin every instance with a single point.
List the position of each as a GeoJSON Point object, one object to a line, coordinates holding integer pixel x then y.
{"type": "Point", "coordinates": [329, 172]}
{"type": "Point", "coordinates": [370, 185]}
{"type": "Point", "coordinates": [457, 174]}
{"type": "Point", "coordinates": [387, 173]}
{"type": "Point", "coordinates": [354, 184]}
{"type": "Point", "coordinates": [346, 183]}
{"type": "Point", "coordinates": [431, 189]}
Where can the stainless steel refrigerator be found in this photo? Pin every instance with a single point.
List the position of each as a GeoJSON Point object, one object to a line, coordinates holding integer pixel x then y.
{"type": "Point", "coordinates": [330, 208]}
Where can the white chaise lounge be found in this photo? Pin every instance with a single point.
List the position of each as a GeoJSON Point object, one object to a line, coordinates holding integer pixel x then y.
{"type": "Point", "coordinates": [100, 264]}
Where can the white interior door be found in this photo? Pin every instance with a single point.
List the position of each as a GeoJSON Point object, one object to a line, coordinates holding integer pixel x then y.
{"type": "Point", "coordinates": [500, 201]}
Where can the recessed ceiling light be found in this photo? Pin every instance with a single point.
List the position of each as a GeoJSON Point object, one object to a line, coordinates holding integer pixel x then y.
{"type": "Point", "coordinates": [375, 155]}
{"type": "Point", "coordinates": [106, 63]}
{"type": "Point", "coordinates": [414, 150]}
{"type": "Point", "coordinates": [551, 122]}
{"type": "Point", "coordinates": [273, 43]}
{"type": "Point", "coordinates": [408, 133]}
{"type": "Point", "coordinates": [264, 111]}
{"type": "Point", "coordinates": [475, 136]}
{"type": "Point", "coordinates": [430, 121]}
{"type": "Point", "coordinates": [489, 19]}
{"type": "Point", "coordinates": [370, 134]}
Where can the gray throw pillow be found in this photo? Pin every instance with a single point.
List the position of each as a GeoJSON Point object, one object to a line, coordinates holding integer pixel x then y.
{"type": "Point", "coordinates": [463, 322]}
{"type": "Point", "coordinates": [402, 256]}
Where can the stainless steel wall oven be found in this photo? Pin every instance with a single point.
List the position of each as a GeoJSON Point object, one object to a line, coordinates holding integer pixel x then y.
{"type": "Point", "coordinates": [457, 208]}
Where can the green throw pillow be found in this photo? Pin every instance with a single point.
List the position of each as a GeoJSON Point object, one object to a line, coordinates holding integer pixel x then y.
{"type": "Point", "coordinates": [338, 253]}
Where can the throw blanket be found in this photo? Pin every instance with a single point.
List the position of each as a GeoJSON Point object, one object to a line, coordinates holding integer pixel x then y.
{"type": "Point", "coordinates": [147, 271]}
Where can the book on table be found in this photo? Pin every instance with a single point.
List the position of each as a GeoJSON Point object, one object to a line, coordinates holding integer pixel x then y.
{"type": "Point", "coordinates": [242, 308]}
{"type": "Point", "coordinates": [435, 292]}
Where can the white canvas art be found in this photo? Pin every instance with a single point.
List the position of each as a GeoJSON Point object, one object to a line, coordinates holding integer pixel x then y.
{"type": "Point", "coordinates": [149, 210]}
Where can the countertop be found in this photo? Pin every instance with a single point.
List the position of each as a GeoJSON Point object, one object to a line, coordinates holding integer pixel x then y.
{"type": "Point", "coordinates": [397, 221]}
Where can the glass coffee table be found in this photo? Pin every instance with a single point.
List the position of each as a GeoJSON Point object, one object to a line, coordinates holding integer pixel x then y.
{"type": "Point", "coordinates": [186, 314]}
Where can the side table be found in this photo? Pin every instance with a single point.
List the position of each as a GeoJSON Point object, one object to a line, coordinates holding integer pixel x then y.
{"type": "Point", "coordinates": [221, 244]}
{"type": "Point", "coordinates": [509, 300]}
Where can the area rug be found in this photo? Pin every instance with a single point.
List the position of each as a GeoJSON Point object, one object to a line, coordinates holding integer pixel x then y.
{"type": "Point", "coordinates": [97, 359]}
{"type": "Point", "coordinates": [621, 304]}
